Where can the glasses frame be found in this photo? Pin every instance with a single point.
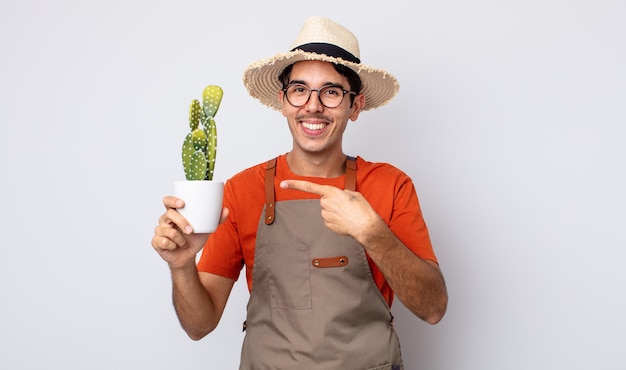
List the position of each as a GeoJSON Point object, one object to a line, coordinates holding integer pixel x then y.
{"type": "Point", "coordinates": [319, 96]}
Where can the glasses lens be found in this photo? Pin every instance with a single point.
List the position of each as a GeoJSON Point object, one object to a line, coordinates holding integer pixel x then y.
{"type": "Point", "coordinates": [298, 94]}
{"type": "Point", "coordinates": [331, 96]}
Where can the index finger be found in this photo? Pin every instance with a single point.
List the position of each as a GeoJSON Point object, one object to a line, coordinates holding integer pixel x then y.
{"type": "Point", "coordinates": [309, 187]}
{"type": "Point", "coordinates": [173, 202]}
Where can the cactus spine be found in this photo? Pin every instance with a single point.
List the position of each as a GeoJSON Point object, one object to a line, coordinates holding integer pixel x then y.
{"type": "Point", "coordinates": [199, 147]}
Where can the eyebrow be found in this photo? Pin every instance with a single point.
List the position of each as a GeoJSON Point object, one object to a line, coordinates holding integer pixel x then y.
{"type": "Point", "coordinates": [326, 84]}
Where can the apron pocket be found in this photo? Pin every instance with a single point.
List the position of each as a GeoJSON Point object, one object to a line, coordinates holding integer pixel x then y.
{"type": "Point", "coordinates": [289, 277]}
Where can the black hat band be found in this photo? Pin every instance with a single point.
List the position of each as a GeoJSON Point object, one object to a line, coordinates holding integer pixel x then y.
{"type": "Point", "coordinates": [328, 49]}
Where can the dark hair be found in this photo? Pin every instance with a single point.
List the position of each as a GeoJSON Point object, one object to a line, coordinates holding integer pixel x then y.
{"type": "Point", "coordinates": [353, 78]}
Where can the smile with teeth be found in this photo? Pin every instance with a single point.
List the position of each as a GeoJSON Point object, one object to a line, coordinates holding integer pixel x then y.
{"type": "Point", "coordinates": [313, 126]}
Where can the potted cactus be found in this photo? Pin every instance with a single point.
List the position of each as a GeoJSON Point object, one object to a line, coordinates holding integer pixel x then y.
{"type": "Point", "coordinates": [201, 193]}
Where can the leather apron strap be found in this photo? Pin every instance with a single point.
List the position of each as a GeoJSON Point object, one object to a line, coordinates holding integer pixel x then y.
{"type": "Point", "coordinates": [270, 171]}
{"type": "Point", "coordinates": [350, 174]}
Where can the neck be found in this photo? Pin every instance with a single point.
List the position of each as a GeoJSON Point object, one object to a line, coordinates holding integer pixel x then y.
{"type": "Point", "coordinates": [317, 165]}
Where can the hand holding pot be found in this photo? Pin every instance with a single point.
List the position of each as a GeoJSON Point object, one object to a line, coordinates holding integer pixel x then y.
{"type": "Point", "coordinates": [174, 238]}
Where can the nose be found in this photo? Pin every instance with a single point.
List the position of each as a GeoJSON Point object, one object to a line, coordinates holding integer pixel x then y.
{"type": "Point", "coordinates": [314, 104]}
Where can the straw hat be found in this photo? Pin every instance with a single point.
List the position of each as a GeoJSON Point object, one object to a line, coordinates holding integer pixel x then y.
{"type": "Point", "coordinates": [320, 39]}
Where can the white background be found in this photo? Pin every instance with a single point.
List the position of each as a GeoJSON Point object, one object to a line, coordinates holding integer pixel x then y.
{"type": "Point", "coordinates": [510, 119]}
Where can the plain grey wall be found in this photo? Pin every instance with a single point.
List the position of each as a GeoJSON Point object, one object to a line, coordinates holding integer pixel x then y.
{"type": "Point", "coordinates": [510, 119]}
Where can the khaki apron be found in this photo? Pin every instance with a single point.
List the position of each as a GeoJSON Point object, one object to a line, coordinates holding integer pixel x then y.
{"type": "Point", "coordinates": [314, 303]}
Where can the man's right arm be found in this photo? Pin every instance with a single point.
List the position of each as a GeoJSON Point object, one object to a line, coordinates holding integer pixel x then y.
{"type": "Point", "coordinates": [199, 299]}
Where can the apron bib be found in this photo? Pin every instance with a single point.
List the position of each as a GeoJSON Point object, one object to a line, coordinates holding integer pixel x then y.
{"type": "Point", "coordinates": [314, 303]}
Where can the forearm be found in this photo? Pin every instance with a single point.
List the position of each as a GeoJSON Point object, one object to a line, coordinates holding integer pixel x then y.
{"type": "Point", "coordinates": [193, 304]}
{"type": "Point", "coordinates": [419, 284]}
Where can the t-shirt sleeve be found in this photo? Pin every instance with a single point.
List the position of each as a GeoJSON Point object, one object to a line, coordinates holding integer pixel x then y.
{"type": "Point", "coordinates": [408, 223]}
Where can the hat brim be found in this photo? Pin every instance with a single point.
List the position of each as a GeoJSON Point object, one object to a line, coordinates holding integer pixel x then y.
{"type": "Point", "coordinates": [261, 79]}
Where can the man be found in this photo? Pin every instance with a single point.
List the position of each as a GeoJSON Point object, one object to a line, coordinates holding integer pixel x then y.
{"type": "Point", "coordinates": [326, 239]}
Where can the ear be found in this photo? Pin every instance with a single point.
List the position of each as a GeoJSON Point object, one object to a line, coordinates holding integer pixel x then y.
{"type": "Point", "coordinates": [359, 102]}
{"type": "Point", "coordinates": [281, 101]}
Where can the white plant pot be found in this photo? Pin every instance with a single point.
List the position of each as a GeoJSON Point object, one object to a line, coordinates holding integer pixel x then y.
{"type": "Point", "coordinates": [203, 203]}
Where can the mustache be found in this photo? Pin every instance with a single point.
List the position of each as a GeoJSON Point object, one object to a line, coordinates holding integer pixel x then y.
{"type": "Point", "coordinates": [314, 116]}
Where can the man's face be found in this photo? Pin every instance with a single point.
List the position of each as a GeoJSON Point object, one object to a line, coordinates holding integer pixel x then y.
{"type": "Point", "coordinates": [314, 127]}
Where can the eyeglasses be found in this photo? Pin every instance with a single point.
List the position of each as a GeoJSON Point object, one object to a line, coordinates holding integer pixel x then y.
{"type": "Point", "coordinates": [330, 96]}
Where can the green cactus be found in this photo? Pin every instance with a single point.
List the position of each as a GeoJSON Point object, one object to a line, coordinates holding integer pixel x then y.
{"type": "Point", "coordinates": [199, 147]}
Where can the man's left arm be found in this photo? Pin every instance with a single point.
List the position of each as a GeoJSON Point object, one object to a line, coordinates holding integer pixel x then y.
{"type": "Point", "coordinates": [418, 283]}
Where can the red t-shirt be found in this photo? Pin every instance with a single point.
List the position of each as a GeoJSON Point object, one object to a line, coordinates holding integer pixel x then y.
{"type": "Point", "coordinates": [389, 191]}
